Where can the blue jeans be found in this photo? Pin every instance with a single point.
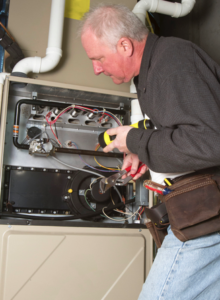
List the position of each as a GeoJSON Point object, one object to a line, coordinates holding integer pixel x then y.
{"type": "Point", "coordinates": [185, 271]}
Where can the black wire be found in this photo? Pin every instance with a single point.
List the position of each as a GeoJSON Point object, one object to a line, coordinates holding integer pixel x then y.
{"type": "Point", "coordinates": [55, 126]}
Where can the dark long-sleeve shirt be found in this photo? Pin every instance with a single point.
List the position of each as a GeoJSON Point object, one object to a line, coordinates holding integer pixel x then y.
{"type": "Point", "coordinates": [179, 89]}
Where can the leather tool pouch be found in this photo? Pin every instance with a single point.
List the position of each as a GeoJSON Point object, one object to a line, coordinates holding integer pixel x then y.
{"type": "Point", "coordinates": [159, 222]}
{"type": "Point", "coordinates": [158, 235]}
{"type": "Point", "coordinates": [193, 206]}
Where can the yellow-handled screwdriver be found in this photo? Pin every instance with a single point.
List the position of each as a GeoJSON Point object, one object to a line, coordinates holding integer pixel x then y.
{"type": "Point", "coordinates": [105, 139]}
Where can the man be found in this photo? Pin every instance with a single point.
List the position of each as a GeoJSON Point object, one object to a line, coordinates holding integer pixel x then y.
{"type": "Point", "coordinates": [178, 88]}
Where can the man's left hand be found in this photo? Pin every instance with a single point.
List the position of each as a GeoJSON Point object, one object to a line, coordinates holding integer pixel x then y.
{"type": "Point", "coordinates": [119, 142]}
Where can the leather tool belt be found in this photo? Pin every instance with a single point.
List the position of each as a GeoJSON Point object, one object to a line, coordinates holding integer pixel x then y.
{"type": "Point", "coordinates": [193, 205]}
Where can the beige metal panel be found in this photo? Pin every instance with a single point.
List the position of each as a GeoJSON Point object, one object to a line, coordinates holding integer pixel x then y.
{"type": "Point", "coordinates": [71, 87]}
{"type": "Point", "coordinates": [68, 263]}
{"type": "Point", "coordinates": [29, 24]}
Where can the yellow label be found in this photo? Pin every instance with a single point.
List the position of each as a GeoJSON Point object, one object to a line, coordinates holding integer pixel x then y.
{"type": "Point", "coordinates": [75, 9]}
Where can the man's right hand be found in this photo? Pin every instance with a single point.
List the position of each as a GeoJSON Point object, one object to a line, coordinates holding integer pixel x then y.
{"type": "Point", "coordinates": [133, 161]}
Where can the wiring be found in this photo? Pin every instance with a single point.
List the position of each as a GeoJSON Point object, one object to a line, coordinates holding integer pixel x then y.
{"type": "Point", "coordinates": [87, 171]}
{"type": "Point", "coordinates": [55, 136]}
{"type": "Point", "coordinates": [48, 115]}
{"type": "Point", "coordinates": [113, 169]}
{"type": "Point", "coordinates": [76, 147]}
{"type": "Point", "coordinates": [117, 210]}
{"type": "Point", "coordinates": [108, 113]}
{"type": "Point", "coordinates": [119, 220]}
{"type": "Point", "coordinates": [28, 141]}
{"type": "Point", "coordinates": [100, 120]}
{"type": "Point", "coordinates": [149, 22]}
{"type": "Point", "coordinates": [72, 167]}
{"type": "Point", "coordinates": [94, 182]}
{"type": "Point", "coordinates": [141, 212]}
{"type": "Point", "coordinates": [104, 112]}
{"type": "Point", "coordinates": [87, 200]}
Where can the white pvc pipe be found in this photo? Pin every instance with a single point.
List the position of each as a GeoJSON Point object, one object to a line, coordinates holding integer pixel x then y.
{"type": "Point", "coordinates": [175, 10]}
{"type": "Point", "coordinates": [53, 52]}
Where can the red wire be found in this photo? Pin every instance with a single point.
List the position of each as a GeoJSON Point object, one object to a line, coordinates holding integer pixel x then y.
{"type": "Point", "coordinates": [101, 117]}
{"type": "Point", "coordinates": [153, 189]}
{"type": "Point", "coordinates": [79, 107]}
{"type": "Point", "coordinates": [141, 212]}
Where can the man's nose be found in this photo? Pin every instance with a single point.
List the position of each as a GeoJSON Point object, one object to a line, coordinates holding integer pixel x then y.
{"type": "Point", "coordinates": [97, 68]}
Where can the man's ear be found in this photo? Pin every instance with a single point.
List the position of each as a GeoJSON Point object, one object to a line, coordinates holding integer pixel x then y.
{"type": "Point", "coordinates": [125, 47]}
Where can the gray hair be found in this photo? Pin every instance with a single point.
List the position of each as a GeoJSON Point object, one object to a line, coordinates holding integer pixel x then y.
{"type": "Point", "coordinates": [111, 22]}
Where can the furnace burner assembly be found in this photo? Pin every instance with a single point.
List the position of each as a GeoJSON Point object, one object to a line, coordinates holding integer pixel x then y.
{"type": "Point", "coordinates": [45, 114]}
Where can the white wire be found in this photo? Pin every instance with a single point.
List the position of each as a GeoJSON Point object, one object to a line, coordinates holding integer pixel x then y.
{"type": "Point", "coordinates": [94, 182]}
{"type": "Point", "coordinates": [30, 140]}
{"type": "Point", "coordinates": [121, 220]}
{"type": "Point", "coordinates": [72, 167]}
{"type": "Point", "coordinates": [88, 171]}
{"type": "Point", "coordinates": [71, 106]}
{"type": "Point", "coordinates": [123, 212]}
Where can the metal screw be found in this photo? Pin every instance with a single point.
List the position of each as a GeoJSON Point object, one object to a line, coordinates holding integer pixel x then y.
{"type": "Point", "coordinates": [32, 169]}
{"type": "Point", "coordinates": [69, 177]}
{"type": "Point", "coordinates": [65, 197]}
{"type": "Point", "coordinates": [56, 111]}
{"type": "Point", "coordinates": [56, 170]}
{"type": "Point", "coordinates": [44, 170]}
{"type": "Point", "coordinates": [34, 95]}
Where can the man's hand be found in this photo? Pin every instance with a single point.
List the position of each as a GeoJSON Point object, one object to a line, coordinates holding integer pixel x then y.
{"type": "Point", "coordinates": [133, 161]}
{"type": "Point", "coordinates": [119, 142]}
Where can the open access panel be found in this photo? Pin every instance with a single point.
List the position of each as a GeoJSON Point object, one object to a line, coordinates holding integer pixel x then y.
{"type": "Point", "coordinates": [61, 237]}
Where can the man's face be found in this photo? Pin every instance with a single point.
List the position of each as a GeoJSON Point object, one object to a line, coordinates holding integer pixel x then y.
{"type": "Point", "coordinates": [104, 60]}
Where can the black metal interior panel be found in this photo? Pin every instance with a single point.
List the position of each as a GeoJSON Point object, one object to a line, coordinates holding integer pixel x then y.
{"type": "Point", "coordinates": [37, 189]}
